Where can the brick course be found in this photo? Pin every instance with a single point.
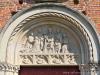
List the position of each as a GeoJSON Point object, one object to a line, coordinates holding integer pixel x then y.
{"type": "Point", "coordinates": [91, 8]}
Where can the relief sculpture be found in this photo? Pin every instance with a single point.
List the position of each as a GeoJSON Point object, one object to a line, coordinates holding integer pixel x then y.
{"type": "Point", "coordinates": [52, 41]}
{"type": "Point", "coordinates": [41, 59]}
{"type": "Point", "coordinates": [46, 41]}
{"type": "Point", "coordinates": [26, 59]}
{"type": "Point", "coordinates": [30, 41]}
{"type": "Point", "coordinates": [71, 59]}
{"type": "Point", "coordinates": [57, 59]}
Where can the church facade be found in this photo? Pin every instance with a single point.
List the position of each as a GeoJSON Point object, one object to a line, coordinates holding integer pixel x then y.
{"type": "Point", "coordinates": [49, 35]}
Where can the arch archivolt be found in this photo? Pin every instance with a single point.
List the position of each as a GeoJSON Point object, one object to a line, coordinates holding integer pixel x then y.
{"type": "Point", "coordinates": [22, 33]}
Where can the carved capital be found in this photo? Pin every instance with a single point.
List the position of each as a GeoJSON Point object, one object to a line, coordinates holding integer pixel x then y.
{"type": "Point", "coordinates": [9, 67]}
{"type": "Point", "coordinates": [84, 67]}
{"type": "Point", "coordinates": [93, 66]}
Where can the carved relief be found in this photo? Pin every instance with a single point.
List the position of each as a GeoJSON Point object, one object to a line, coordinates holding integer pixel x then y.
{"type": "Point", "coordinates": [49, 59]}
{"type": "Point", "coordinates": [42, 59]}
{"type": "Point", "coordinates": [71, 59]}
{"type": "Point", "coordinates": [27, 59]}
{"type": "Point", "coordinates": [57, 59]}
{"type": "Point", "coordinates": [46, 45]}
{"type": "Point", "coordinates": [30, 41]}
{"type": "Point", "coordinates": [53, 41]}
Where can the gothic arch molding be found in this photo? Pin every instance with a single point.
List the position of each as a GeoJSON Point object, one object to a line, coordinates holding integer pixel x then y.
{"type": "Point", "coordinates": [53, 14]}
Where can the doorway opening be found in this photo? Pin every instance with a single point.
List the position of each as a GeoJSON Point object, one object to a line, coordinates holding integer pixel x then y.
{"type": "Point", "coordinates": [49, 70]}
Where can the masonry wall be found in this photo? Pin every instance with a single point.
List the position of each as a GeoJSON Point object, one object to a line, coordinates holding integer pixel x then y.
{"type": "Point", "coordinates": [90, 8]}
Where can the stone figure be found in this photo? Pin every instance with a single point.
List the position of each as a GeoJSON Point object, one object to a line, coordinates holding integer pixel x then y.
{"type": "Point", "coordinates": [58, 41]}
{"type": "Point", "coordinates": [30, 41]}
{"type": "Point", "coordinates": [42, 43]}
{"type": "Point", "coordinates": [45, 42]}
{"type": "Point", "coordinates": [28, 46]}
{"type": "Point", "coordinates": [65, 44]}
{"type": "Point", "coordinates": [50, 45]}
{"type": "Point", "coordinates": [57, 47]}
{"type": "Point", "coordinates": [34, 42]}
{"type": "Point", "coordinates": [36, 46]}
{"type": "Point", "coordinates": [64, 48]}
{"type": "Point", "coordinates": [49, 41]}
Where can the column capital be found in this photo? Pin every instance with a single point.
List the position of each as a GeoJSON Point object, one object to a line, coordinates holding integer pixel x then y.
{"type": "Point", "coordinates": [9, 67]}
{"type": "Point", "coordinates": [89, 67]}
{"type": "Point", "coordinates": [93, 66]}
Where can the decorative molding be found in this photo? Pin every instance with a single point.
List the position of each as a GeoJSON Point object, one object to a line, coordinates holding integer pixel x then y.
{"type": "Point", "coordinates": [9, 67]}
{"type": "Point", "coordinates": [48, 59]}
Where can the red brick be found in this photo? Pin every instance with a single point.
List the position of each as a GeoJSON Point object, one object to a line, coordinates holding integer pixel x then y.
{"type": "Point", "coordinates": [92, 9]}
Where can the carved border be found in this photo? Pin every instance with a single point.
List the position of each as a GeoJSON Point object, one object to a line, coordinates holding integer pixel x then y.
{"type": "Point", "coordinates": [65, 59]}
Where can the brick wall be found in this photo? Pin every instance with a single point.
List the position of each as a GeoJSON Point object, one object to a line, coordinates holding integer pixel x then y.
{"type": "Point", "coordinates": [91, 8]}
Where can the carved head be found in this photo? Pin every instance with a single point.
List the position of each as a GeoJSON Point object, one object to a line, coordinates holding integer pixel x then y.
{"type": "Point", "coordinates": [31, 38]}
